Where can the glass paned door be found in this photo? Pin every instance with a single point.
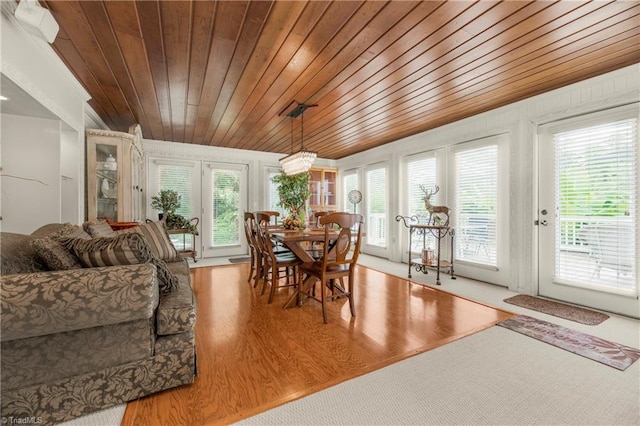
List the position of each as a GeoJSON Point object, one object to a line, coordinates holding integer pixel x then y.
{"type": "Point", "coordinates": [588, 214]}
{"type": "Point", "coordinates": [376, 203]}
{"type": "Point", "coordinates": [225, 200]}
{"type": "Point", "coordinates": [184, 178]}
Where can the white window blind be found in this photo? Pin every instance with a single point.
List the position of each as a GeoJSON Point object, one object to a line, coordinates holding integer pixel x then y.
{"type": "Point", "coordinates": [226, 207]}
{"type": "Point", "coordinates": [350, 182]}
{"type": "Point", "coordinates": [179, 179]}
{"type": "Point", "coordinates": [476, 204]}
{"type": "Point", "coordinates": [596, 174]}
{"type": "Point", "coordinates": [421, 172]}
{"type": "Point", "coordinates": [376, 207]}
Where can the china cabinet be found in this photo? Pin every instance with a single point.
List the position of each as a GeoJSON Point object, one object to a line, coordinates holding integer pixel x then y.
{"type": "Point", "coordinates": [115, 173]}
{"type": "Point", "coordinates": [323, 185]}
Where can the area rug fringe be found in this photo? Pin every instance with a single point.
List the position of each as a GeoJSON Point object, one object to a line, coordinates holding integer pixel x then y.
{"type": "Point", "coordinates": [557, 309]}
{"type": "Point", "coordinates": [609, 353]}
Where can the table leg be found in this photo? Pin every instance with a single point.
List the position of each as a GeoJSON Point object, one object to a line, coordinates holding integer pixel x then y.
{"type": "Point", "coordinates": [303, 288]}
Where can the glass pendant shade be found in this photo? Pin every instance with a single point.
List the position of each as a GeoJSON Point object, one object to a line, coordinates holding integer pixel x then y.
{"type": "Point", "coordinates": [301, 161]}
{"type": "Point", "coordinates": [298, 162]}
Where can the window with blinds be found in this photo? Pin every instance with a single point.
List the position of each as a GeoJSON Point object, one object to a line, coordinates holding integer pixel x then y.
{"type": "Point", "coordinates": [421, 172]}
{"type": "Point", "coordinates": [476, 204]}
{"type": "Point", "coordinates": [179, 179]}
{"type": "Point", "coordinates": [226, 207]}
{"type": "Point", "coordinates": [350, 182]}
{"type": "Point", "coordinates": [596, 174]}
{"type": "Point", "coordinates": [376, 207]}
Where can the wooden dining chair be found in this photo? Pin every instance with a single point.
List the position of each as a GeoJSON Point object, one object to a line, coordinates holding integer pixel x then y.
{"type": "Point", "coordinates": [249, 232]}
{"type": "Point", "coordinates": [339, 257]}
{"type": "Point", "coordinates": [273, 263]}
{"type": "Point", "coordinates": [273, 216]}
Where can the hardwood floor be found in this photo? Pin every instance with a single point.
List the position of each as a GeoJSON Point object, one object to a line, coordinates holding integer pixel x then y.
{"type": "Point", "coordinates": [253, 356]}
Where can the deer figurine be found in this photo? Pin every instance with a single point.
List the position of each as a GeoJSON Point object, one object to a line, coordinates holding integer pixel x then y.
{"type": "Point", "coordinates": [444, 210]}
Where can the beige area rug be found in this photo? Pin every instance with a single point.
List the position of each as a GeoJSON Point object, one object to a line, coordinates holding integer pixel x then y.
{"type": "Point", "coordinates": [557, 309]}
{"type": "Point", "coordinates": [107, 417]}
{"type": "Point", "coordinates": [494, 377]}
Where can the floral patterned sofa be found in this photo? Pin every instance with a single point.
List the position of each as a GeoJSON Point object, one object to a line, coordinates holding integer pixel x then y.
{"type": "Point", "coordinates": [81, 338]}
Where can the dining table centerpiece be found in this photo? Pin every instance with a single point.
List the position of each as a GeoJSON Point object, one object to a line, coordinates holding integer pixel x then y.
{"type": "Point", "coordinates": [294, 194]}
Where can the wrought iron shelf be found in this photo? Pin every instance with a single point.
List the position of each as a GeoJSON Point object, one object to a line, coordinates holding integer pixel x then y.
{"type": "Point", "coordinates": [423, 230]}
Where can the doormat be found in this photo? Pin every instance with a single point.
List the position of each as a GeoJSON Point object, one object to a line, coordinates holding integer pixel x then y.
{"type": "Point", "coordinates": [557, 309]}
{"type": "Point", "coordinates": [244, 259]}
{"type": "Point", "coordinates": [609, 353]}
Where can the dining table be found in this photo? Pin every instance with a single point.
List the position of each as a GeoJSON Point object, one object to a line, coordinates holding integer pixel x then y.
{"type": "Point", "coordinates": [297, 240]}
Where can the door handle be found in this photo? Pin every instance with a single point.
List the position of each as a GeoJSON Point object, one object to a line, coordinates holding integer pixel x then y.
{"type": "Point", "coordinates": [544, 223]}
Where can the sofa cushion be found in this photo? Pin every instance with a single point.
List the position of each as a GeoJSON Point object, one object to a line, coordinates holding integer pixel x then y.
{"type": "Point", "coordinates": [176, 310]}
{"type": "Point", "coordinates": [51, 302]}
{"type": "Point", "coordinates": [158, 239]}
{"type": "Point", "coordinates": [98, 228]}
{"type": "Point", "coordinates": [123, 249]}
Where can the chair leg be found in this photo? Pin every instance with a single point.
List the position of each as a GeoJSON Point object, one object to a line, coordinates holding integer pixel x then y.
{"type": "Point", "coordinates": [275, 278]}
{"type": "Point", "coordinates": [253, 265]}
{"type": "Point", "coordinates": [265, 278]}
{"type": "Point", "coordinates": [259, 270]}
{"type": "Point", "coordinates": [324, 305]}
{"type": "Point", "coordinates": [352, 304]}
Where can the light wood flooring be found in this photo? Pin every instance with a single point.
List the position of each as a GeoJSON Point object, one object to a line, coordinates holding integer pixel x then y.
{"type": "Point", "coordinates": [253, 356]}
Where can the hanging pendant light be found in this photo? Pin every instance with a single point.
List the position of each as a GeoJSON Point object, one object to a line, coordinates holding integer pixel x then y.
{"type": "Point", "coordinates": [301, 161]}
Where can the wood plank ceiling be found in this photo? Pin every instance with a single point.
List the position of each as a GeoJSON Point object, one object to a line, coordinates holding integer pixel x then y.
{"type": "Point", "coordinates": [219, 72]}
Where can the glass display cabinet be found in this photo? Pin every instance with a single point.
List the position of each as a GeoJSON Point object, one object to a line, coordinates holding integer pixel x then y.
{"type": "Point", "coordinates": [323, 184]}
{"type": "Point", "coordinates": [114, 175]}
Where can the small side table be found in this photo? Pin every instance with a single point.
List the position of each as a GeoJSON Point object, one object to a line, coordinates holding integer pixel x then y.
{"type": "Point", "coordinates": [438, 232]}
{"type": "Point", "coordinates": [186, 253]}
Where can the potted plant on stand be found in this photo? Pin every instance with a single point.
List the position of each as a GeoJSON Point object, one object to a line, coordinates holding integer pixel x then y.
{"type": "Point", "coordinates": [294, 193]}
{"type": "Point", "coordinates": [168, 201]}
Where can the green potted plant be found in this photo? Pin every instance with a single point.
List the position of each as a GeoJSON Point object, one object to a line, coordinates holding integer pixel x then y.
{"type": "Point", "coordinates": [168, 201]}
{"type": "Point", "coordinates": [294, 193]}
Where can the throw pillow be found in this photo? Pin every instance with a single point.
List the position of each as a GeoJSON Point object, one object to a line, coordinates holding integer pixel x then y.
{"type": "Point", "coordinates": [98, 228]}
{"type": "Point", "coordinates": [123, 249]}
{"type": "Point", "coordinates": [55, 255]}
{"type": "Point", "coordinates": [158, 239]}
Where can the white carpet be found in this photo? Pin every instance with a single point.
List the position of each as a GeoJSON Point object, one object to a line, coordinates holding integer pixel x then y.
{"type": "Point", "coordinates": [109, 417]}
{"type": "Point", "coordinates": [496, 376]}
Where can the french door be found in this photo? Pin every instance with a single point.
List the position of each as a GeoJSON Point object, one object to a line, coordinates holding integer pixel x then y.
{"type": "Point", "coordinates": [224, 190]}
{"type": "Point", "coordinates": [588, 205]}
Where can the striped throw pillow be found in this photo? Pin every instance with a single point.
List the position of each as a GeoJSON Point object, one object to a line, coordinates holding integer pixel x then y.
{"type": "Point", "coordinates": [158, 239]}
{"type": "Point", "coordinates": [123, 249]}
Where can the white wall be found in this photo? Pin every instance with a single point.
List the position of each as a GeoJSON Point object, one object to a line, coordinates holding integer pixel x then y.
{"type": "Point", "coordinates": [519, 121]}
{"type": "Point", "coordinates": [30, 179]}
{"type": "Point", "coordinates": [257, 161]}
{"type": "Point", "coordinates": [32, 65]}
